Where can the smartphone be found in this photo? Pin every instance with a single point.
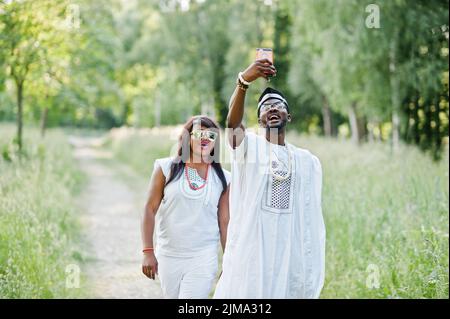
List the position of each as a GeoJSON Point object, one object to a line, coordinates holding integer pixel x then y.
{"type": "Point", "coordinates": [265, 53]}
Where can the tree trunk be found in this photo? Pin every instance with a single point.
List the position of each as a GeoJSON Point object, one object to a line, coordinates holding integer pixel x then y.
{"type": "Point", "coordinates": [353, 124]}
{"type": "Point", "coordinates": [44, 117]}
{"type": "Point", "coordinates": [416, 117]}
{"type": "Point", "coordinates": [362, 128]}
{"type": "Point", "coordinates": [395, 97]}
{"type": "Point", "coordinates": [326, 115]}
{"type": "Point", "coordinates": [125, 112]}
{"type": "Point", "coordinates": [357, 125]}
{"type": "Point", "coordinates": [380, 129]}
{"type": "Point", "coordinates": [19, 86]}
{"type": "Point", "coordinates": [427, 127]}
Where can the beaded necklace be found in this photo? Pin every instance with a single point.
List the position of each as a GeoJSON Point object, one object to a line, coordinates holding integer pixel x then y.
{"type": "Point", "coordinates": [193, 186]}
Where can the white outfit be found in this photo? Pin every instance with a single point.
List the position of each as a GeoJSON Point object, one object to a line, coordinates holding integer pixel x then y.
{"type": "Point", "coordinates": [187, 233]}
{"type": "Point", "coordinates": [189, 277]}
{"type": "Point", "coordinates": [276, 235]}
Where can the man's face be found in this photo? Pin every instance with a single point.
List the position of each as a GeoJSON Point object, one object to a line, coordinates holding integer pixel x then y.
{"type": "Point", "coordinates": [274, 114]}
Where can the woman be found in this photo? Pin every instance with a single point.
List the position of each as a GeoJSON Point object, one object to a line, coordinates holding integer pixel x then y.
{"type": "Point", "coordinates": [188, 203]}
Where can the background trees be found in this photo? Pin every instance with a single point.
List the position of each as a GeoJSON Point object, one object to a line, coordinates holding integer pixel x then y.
{"type": "Point", "coordinates": [149, 63]}
{"type": "Point", "coordinates": [32, 43]}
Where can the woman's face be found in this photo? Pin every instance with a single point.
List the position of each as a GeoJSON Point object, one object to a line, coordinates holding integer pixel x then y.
{"type": "Point", "coordinates": [203, 140]}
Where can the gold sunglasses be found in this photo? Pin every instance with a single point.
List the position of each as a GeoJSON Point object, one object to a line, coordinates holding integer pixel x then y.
{"type": "Point", "coordinates": [204, 134]}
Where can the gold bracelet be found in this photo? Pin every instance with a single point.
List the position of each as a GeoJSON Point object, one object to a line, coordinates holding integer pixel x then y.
{"type": "Point", "coordinates": [242, 80]}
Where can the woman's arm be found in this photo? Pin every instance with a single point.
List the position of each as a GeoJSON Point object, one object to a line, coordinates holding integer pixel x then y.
{"type": "Point", "coordinates": [224, 216]}
{"type": "Point", "coordinates": [157, 183]}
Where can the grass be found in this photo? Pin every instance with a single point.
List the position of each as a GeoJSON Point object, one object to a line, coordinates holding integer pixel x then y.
{"type": "Point", "coordinates": [38, 225]}
{"type": "Point", "coordinates": [386, 213]}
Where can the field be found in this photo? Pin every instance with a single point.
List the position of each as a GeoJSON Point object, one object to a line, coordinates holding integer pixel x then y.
{"type": "Point", "coordinates": [386, 213]}
{"type": "Point", "coordinates": [39, 231]}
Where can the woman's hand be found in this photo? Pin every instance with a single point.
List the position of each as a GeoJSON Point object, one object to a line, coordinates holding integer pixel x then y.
{"type": "Point", "coordinates": [260, 68]}
{"type": "Point", "coordinates": [150, 265]}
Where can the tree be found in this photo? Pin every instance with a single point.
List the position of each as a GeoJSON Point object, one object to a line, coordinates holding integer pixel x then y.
{"type": "Point", "coordinates": [26, 27]}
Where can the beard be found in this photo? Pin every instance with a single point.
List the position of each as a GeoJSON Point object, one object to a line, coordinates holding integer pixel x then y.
{"type": "Point", "coordinates": [279, 125]}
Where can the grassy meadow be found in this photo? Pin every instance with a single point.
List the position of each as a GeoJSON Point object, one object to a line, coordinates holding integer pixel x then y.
{"type": "Point", "coordinates": [38, 225]}
{"type": "Point", "coordinates": [386, 213]}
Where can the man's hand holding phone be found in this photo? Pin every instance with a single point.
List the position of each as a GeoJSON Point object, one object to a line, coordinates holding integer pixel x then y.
{"type": "Point", "coordinates": [262, 67]}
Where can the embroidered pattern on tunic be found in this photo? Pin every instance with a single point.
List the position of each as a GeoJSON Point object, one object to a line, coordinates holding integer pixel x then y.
{"type": "Point", "coordinates": [280, 192]}
{"type": "Point", "coordinates": [279, 197]}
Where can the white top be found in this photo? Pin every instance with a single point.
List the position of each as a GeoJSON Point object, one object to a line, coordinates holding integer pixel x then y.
{"type": "Point", "coordinates": [187, 221]}
{"type": "Point", "coordinates": [276, 235]}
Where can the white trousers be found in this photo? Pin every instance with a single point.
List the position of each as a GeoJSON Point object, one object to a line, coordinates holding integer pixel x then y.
{"type": "Point", "coordinates": [187, 278]}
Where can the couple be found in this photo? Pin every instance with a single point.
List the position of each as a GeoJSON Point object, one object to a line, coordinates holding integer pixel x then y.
{"type": "Point", "coordinates": [266, 213]}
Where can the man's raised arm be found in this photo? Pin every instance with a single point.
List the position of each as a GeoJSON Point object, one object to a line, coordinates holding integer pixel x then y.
{"type": "Point", "coordinates": [260, 68]}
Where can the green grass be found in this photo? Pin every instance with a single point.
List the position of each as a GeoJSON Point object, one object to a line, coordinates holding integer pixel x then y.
{"type": "Point", "coordinates": [386, 213]}
{"type": "Point", "coordinates": [38, 225]}
{"type": "Point", "coordinates": [387, 210]}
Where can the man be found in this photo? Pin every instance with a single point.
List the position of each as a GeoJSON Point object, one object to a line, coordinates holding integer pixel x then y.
{"type": "Point", "coordinates": [276, 234]}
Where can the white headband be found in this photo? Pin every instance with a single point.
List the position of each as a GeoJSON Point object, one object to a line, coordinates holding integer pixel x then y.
{"type": "Point", "coordinates": [269, 96]}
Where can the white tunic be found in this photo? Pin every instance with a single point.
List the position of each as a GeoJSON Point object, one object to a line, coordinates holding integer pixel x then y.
{"type": "Point", "coordinates": [187, 220]}
{"type": "Point", "coordinates": [276, 236]}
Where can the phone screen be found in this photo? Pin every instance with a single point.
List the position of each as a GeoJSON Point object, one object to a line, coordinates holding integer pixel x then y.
{"type": "Point", "coordinates": [264, 53]}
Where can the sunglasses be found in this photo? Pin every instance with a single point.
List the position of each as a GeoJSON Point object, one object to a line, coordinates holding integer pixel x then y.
{"type": "Point", "coordinates": [205, 135]}
{"type": "Point", "coordinates": [278, 106]}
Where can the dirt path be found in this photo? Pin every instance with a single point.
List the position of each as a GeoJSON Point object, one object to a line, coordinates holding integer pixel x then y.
{"type": "Point", "coordinates": [111, 221]}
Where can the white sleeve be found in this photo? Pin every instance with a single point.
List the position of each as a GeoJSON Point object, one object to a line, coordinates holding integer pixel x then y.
{"type": "Point", "coordinates": [164, 164]}
{"type": "Point", "coordinates": [227, 176]}
{"type": "Point", "coordinates": [246, 150]}
{"type": "Point", "coordinates": [317, 188]}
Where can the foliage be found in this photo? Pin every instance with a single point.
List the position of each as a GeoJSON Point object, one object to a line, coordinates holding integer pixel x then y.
{"type": "Point", "coordinates": [147, 63]}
